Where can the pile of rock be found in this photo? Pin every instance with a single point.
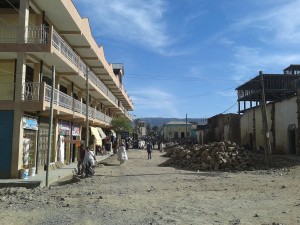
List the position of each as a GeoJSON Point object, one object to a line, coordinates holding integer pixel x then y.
{"type": "Point", "coordinates": [224, 156]}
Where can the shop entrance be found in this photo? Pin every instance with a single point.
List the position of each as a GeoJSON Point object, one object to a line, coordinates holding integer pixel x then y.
{"type": "Point", "coordinates": [43, 143]}
{"type": "Point", "coordinates": [29, 154]}
{"type": "Point", "coordinates": [292, 141]}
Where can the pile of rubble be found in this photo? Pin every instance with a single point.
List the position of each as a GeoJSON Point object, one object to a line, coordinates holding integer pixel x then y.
{"type": "Point", "coordinates": [223, 156]}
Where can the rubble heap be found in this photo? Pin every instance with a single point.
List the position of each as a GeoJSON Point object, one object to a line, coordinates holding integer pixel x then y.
{"type": "Point", "coordinates": [224, 156]}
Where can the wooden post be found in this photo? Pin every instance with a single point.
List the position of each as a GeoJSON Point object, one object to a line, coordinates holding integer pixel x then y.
{"type": "Point", "coordinates": [298, 119]}
{"type": "Point", "coordinates": [266, 132]}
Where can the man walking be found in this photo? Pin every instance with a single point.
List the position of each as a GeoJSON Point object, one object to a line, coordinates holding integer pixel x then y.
{"type": "Point", "coordinates": [149, 149]}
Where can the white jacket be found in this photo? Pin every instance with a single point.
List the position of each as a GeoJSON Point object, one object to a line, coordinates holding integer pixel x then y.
{"type": "Point", "coordinates": [89, 157]}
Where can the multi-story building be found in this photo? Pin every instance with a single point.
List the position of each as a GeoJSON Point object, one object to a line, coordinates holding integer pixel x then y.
{"type": "Point", "coordinates": [41, 40]}
{"type": "Point", "coordinates": [270, 107]}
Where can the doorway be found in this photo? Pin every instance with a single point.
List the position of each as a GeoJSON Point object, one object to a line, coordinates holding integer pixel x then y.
{"type": "Point", "coordinates": [292, 141]}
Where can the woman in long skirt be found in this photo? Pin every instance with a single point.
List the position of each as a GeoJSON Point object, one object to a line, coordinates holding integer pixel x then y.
{"type": "Point", "coordinates": [122, 155]}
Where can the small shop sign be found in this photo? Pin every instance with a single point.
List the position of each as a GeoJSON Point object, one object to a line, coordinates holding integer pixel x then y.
{"type": "Point", "coordinates": [30, 123]}
{"type": "Point", "coordinates": [63, 127]}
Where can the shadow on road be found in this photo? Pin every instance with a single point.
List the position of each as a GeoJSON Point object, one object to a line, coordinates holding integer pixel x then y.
{"type": "Point", "coordinates": [200, 174]}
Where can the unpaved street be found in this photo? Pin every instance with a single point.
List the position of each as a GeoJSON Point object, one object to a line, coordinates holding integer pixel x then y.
{"type": "Point", "coordinates": [141, 192]}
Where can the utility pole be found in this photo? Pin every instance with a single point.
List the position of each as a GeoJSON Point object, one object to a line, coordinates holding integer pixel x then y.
{"type": "Point", "coordinates": [50, 127]}
{"type": "Point", "coordinates": [87, 108]}
{"type": "Point", "coordinates": [186, 129]}
{"type": "Point", "coordinates": [266, 131]}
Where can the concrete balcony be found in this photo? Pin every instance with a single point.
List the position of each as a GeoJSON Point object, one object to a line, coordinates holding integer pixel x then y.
{"type": "Point", "coordinates": [46, 40]}
{"type": "Point", "coordinates": [36, 97]}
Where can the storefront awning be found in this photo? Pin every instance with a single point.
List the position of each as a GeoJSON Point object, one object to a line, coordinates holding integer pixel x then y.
{"type": "Point", "coordinates": [95, 133]}
{"type": "Point", "coordinates": [101, 133]}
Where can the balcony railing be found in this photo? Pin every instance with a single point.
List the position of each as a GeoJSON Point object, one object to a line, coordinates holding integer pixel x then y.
{"type": "Point", "coordinates": [68, 102]}
{"type": "Point", "coordinates": [64, 48]}
{"type": "Point", "coordinates": [40, 35]}
{"type": "Point", "coordinates": [32, 94]}
{"type": "Point", "coordinates": [31, 91]}
{"type": "Point", "coordinates": [37, 35]}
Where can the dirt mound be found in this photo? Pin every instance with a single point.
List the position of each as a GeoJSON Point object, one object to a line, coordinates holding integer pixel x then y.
{"type": "Point", "coordinates": [223, 156]}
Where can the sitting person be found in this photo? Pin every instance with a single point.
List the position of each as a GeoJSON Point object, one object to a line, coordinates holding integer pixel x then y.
{"type": "Point", "coordinates": [89, 161]}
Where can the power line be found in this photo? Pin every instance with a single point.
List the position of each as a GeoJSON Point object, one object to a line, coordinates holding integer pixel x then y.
{"type": "Point", "coordinates": [163, 77]}
{"type": "Point", "coordinates": [185, 97]}
{"type": "Point", "coordinates": [229, 108]}
{"type": "Point", "coordinates": [181, 78]}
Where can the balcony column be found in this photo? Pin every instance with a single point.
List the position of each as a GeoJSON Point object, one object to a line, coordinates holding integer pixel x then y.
{"type": "Point", "coordinates": [80, 96]}
{"type": "Point", "coordinates": [21, 57]}
{"type": "Point", "coordinates": [94, 104]}
{"type": "Point", "coordinates": [57, 85]}
{"type": "Point", "coordinates": [17, 144]}
{"type": "Point", "coordinates": [69, 90]}
{"type": "Point", "coordinates": [23, 21]}
{"type": "Point", "coordinates": [20, 77]}
{"type": "Point", "coordinates": [54, 154]}
{"type": "Point", "coordinates": [36, 73]}
{"type": "Point", "coordinates": [57, 82]}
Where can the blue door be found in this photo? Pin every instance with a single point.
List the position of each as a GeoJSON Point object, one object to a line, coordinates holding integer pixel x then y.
{"type": "Point", "coordinates": [6, 134]}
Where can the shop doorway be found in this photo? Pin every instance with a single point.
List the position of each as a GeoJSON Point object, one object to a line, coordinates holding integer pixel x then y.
{"type": "Point", "coordinates": [74, 149]}
{"type": "Point", "coordinates": [292, 141]}
{"type": "Point", "coordinates": [30, 146]}
{"type": "Point", "coordinates": [182, 135]}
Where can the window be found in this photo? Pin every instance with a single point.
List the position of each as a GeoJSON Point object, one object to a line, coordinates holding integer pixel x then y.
{"type": "Point", "coordinates": [47, 80]}
{"type": "Point", "coordinates": [63, 89]}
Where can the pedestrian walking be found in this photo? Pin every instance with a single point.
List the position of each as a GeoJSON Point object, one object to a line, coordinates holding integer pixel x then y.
{"type": "Point", "coordinates": [149, 149]}
{"type": "Point", "coordinates": [122, 155]}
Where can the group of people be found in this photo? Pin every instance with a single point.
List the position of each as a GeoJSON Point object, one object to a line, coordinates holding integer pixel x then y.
{"type": "Point", "coordinates": [86, 161]}
{"type": "Point", "coordinates": [87, 158]}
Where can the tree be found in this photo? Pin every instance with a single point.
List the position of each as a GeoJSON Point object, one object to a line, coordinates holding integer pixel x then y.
{"type": "Point", "coordinates": [121, 124]}
{"type": "Point", "coordinates": [155, 129]}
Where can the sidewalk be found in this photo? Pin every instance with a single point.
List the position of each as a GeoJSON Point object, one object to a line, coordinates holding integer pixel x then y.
{"type": "Point", "coordinates": [39, 180]}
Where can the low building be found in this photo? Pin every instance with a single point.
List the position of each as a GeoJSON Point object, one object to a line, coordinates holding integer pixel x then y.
{"type": "Point", "coordinates": [222, 127]}
{"type": "Point", "coordinates": [283, 123]}
{"type": "Point", "coordinates": [178, 131]}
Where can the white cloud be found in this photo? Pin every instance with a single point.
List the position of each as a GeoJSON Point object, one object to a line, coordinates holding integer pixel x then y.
{"type": "Point", "coordinates": [281, 23]}
{"type": "Point", "coordinates": [225, 41]}
{"type": "Point", "coordinates": [131, 20]}
{"type": "Point", "coordinates": [249, 61]}
{"type": "Point", "coordinates": [154, 101]}
{"type": "Point", "coordinates": [230, 93]}
{"type": "Point", "coordinates": [194, 16]}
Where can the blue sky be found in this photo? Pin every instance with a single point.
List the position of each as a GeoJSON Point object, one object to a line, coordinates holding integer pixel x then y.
{"type": "Point", "coordinates": [188, 56]}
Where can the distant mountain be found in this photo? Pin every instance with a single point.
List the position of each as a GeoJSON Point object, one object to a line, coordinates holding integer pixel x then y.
{"type": "Point", "coordinates": [158, 121]}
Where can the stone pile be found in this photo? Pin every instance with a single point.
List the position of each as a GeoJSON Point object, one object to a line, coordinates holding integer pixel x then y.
{"type": "Point", "coordinates": [223, 156]}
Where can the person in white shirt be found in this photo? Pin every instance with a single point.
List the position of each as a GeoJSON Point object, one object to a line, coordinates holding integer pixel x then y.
{"type": "Point", "coordinates": [89, 161]}
{"type": "Point", "coordinates": [122, 155]}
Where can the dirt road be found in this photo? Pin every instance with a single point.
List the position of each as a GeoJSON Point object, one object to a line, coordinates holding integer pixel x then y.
{"type": "Point", "coordinates": [141, 192]}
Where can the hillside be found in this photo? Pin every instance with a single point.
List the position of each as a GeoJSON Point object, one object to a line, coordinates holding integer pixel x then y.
{"type": "Point", "coordinates": [158, 121]}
